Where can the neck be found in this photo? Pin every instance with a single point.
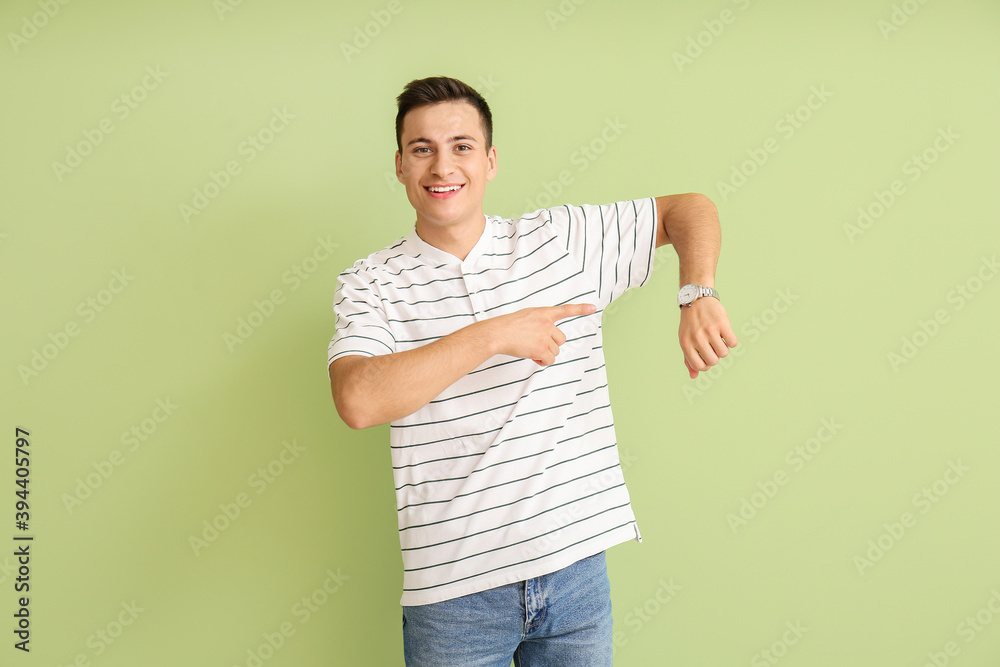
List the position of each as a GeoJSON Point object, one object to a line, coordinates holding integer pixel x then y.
{"type": "Point", "coordinates": [457, 240]}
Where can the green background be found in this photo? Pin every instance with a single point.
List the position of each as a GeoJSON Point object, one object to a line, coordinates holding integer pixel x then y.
{"type": "Point", "coordinates": [822, 310]}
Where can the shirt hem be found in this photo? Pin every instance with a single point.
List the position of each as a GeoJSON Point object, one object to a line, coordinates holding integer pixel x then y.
{"type": "Point", "coordinates": [626, 533]}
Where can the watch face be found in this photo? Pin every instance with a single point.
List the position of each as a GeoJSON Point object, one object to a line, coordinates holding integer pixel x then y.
{"type": "Point", "coordinates": [687, 294]}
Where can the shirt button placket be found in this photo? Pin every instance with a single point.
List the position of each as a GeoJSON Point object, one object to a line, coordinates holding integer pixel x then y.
{"type": "Point", "coordinates": [471, 285]}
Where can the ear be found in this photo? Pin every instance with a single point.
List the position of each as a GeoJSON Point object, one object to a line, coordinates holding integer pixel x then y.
{"type": "Point", "coordinates": [399, 167]}
{"type": "Point", "coordinates": [491, 157]}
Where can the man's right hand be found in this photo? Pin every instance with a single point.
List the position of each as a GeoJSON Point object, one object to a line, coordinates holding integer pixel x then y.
{"type": "Point", "coordinates": [531, 333]}
{"type": "Point", "coordinates": [374, 390]}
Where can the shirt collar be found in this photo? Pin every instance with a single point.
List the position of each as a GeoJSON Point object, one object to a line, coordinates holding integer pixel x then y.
{"type": "Point", "coordinates": [435, 254]}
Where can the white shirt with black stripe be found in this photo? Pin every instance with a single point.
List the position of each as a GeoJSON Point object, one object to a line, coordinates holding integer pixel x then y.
{"type": "Point", "coordinates": [513, 471]}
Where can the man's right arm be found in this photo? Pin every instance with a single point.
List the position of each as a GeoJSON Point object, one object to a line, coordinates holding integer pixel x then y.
{"type": "Point", "coordinates": [368, 391]}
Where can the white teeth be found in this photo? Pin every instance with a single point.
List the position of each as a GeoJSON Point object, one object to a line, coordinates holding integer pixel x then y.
{"type": "Point", "coordinates": [434, 188]}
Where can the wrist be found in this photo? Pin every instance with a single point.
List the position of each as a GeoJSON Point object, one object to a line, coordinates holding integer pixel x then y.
{"type": "Point", "coordinates": [691, 292]}
{"type": "Point", "coordinates": [481, 337]}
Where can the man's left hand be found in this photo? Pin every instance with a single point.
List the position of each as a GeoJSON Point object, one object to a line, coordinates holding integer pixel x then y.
{"type": "Point", "coordinates": [705, 334]}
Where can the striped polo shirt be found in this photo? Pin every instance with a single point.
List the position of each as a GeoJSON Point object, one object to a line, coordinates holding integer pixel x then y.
{"type": "Point", "coordinates": [513, 471]}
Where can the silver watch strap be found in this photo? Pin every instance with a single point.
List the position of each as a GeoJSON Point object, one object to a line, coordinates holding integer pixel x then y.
{"type": "Point", "coordinates": [701, 291]}
{"type": "Point", "coordinates": [707, 291]}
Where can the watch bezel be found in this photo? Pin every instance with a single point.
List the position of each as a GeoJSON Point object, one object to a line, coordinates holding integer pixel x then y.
{"type": "Point", "coordinates": [687, 294]}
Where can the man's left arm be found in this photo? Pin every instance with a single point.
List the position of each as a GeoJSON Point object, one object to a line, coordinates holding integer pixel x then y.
{"type": "Point", "coordinates": [690, 222]}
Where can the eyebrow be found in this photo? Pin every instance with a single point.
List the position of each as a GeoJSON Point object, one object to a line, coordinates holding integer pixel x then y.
{"type": "Point", "coordinates": [461, 137]}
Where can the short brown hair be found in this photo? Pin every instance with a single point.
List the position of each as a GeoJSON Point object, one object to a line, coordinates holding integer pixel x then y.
{"type": "Point", "coordinates": [435, 89]}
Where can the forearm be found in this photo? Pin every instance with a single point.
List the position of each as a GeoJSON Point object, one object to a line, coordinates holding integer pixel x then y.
{"type": "Point", "coordinates": [368, 391]}
{"type": "Point", "coordinates": [691, 223]}
{"type": "Point", "coordinates": [374, 390]}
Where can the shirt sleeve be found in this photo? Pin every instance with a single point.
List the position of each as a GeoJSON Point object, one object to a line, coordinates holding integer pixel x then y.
{"type": "Point", "coordinates": [361, 326]}
{"type": "Point", "coordinates": [614, 244]}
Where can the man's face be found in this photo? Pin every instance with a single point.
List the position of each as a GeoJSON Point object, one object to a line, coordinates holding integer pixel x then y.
{"type": "Point", "coordinates": [445, 164]}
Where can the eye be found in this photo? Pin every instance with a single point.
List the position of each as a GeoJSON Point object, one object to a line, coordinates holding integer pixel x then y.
{"type": "Point", "coordinates": [421, 149]}
{"type": "Point", "coordinates": [463, 148]}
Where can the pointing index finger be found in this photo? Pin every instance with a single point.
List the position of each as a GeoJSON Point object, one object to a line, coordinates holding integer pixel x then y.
{"type": "Point", "coordinates": [572, 310]}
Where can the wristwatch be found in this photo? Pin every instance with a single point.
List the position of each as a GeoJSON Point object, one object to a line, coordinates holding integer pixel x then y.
{"type": "Point", "coordinates": [690, 292]}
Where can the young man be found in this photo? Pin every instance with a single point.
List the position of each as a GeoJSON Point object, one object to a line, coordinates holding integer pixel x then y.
{"type": "Point", "coordinates": [479, 339]}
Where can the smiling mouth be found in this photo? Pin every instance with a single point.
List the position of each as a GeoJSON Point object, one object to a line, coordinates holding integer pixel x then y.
{"type": "Point", "coordinates": [443, 191]}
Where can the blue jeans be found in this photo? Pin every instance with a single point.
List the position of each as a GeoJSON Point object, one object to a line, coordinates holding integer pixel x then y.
{"type": "Point", "coordinates": [561, 619]}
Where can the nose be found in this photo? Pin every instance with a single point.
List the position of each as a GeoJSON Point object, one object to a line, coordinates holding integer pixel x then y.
{"type": "Point", "coordinates": [443, 164]}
